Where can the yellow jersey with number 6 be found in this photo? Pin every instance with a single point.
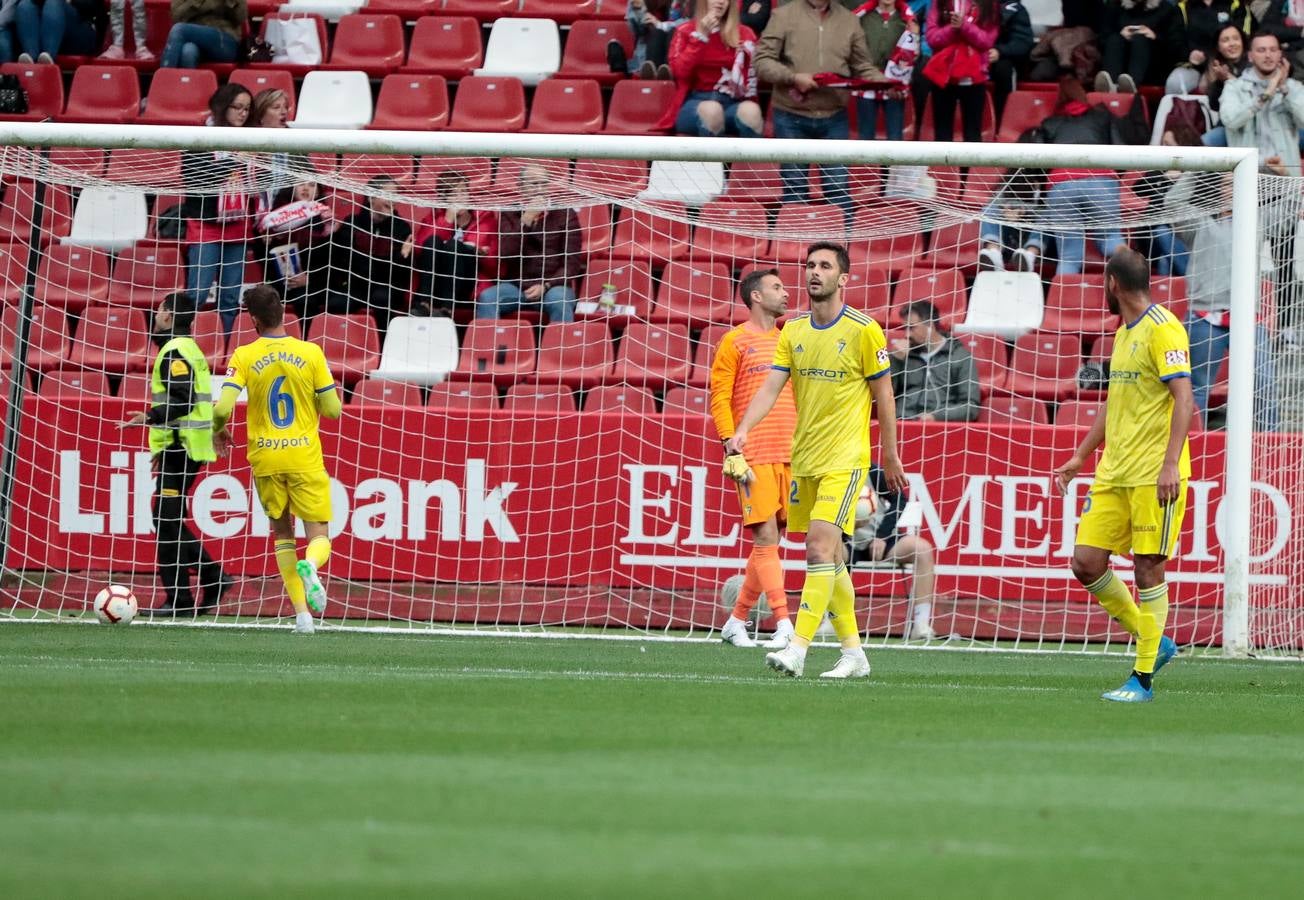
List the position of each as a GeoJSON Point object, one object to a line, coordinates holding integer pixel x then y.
{"type": "Point", "coordinates": [830, 368]}
{"type": "Point", "coordinates": [283, 375]}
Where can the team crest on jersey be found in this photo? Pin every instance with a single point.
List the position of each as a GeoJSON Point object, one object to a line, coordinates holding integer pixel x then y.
{"type": "Point", "coordinates": [842, 345]}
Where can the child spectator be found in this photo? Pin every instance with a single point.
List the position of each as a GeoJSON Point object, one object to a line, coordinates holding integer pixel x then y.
{"type": "Point", "coordinates": [960, 32]}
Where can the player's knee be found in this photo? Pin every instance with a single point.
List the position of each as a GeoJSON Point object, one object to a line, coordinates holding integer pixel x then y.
{"type": "Point", "coordinates": [1086, 569]}
{"type": "Point", "coordinates": [1148, 570]}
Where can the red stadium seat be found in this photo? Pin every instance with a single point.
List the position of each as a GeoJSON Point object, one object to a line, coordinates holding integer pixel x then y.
{"type": "Point", "coordinates": [477, 169]}
{"type": "Point", "coordinates": [13, 271]}
{"type": "Point", "coordinates": [258, 80]}
{"type": "Point", "coordinates": [244, 332]}
{"type": "Point", "coordinates": [757, 182]}
{"type": "Point", "coordinates": [408, 9]}
{"type": "Point", "coordinates": [733, 232]}
{"type": "Point", "coordinates": [1170, 291]}
{"type": "Point", "coordinates": [806, 219]}
{"type": "Point", "coordinates": [137, 386]}
{"type": "Point", "coordinates": [925, 127]}
{"type": "Point", "coordinates": [868, 289]}
{"type": "Point", "coordinates": [208, 334]}
{"type": "Point", "coordinates": [103, 94]}
{"type": "Point", "coordinates": [111, 339]}
{"type": "Point", "coordinates": [178, 97]}
{"type": "Point", "coordinates": [1079, 413]}
{"type": "Point", "coordinates": [18, 210]}
{"type": "Point", "coordinates": [1003, 409]}
{"type": "Point", "coordinates": [704, 354]}
{"type": "Point", "coordinates": [145, 273]}
{"type": "Point", "coordinates": [633, 284]}
{"type": "Point", "coordinates": [577, 354]}
{"type": "Point", "coordinates": [47, 338]}
{"type": "Point", "coordinates": [689, 401]}
{"type": "Point", "coordinates": [411, 102]}
{"type": "Point", "coordinates": [149, 168]}
{"type": "Point", "coordinates": [362, 167]}
{"type": "Point", "coordinates": [85, 160]}
{"type": "Point", "coordinates": [323, 39]}
{"type": "Point", "coordinates": [566, 106]}
{"type": "Point", "coordinates": [1076, 303]}
{"type": "Point", "coordinates": [1045, 365]}
{"type": "Point", "coordinates": [944, 288]}
{"type": "Point", "coordinates": [450, 46]}
{"type": "Point", "coordinates": [1102, 348]}
{"type": "Point", "coordinates": [992, 358]}
{"type": "Point", "coordinates": [1117, 104]}
{"type": "Point", "coordinates": [695, 293]}
{"type": "Point", "coordinates": [368, 43]}
{"type": "Point", "coordinates": [642, 234]}
{"type": "Point", "coordinates": [621, 398]}
{"type": "Point", "coordinates": [637, 106]}
{"type": "Point", "coordinates": [563, 12]}
{"type": "Point", "coordinates": [484, 10]}
{"type": "Point", "coordinates": [350, 342]}
{"type": "Point", "coordinates": [488, 104]}
{"type": "Point", "coordinates": [498, 350]}
{"type": "Point", "coordinates": [463, 395]}
{"type": "Point", "coordinates": [585, 54]}
{"type": "Point", "coordinates": [1024, 110]}
{"type": "Point", "coordinates": [617, 178]}
{"type": "Point", "coordinates": [542, 398]}
{"type": "Point", "coordinates": [895, 251]}
{"type": "Point", "coordinates": [72, 277]}
{"type": "Point", "coordinates": [71, 383]}
{"type": "Point", "coordinates": [955, 247]}
{"type": "Point", "coordinates": [370, 391]}
{"type": "Point", "coordinates": [44, 87]}
{"type": "Point", "coordinates": [653, 355]}
{"type": "Point", "coordinates": [596, 222]}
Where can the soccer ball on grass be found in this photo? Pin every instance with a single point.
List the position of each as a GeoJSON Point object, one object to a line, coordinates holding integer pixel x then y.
{"type": "Point", "coordinates": [116, 605]}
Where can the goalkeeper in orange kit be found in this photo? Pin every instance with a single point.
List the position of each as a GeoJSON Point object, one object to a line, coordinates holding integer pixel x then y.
{"type": "Point", "coordinates": [764, 476]}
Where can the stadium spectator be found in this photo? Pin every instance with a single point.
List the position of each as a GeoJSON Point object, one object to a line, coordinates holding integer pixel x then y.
{"type": "Point", "coordinates": [1264, 107]}
{"type": "Point", "coordinates": [456, 249]}
{"type": "Point", "coordinates": [368, 272]}
{"type": "Point", "coordinates": [1270, 17]}
{"type": "Point", "coordinates": [295, 235]}
{"type": "Point", "coordinates": [1011, 52]}
{"type": "Point", "coordinates": [1207, 230]}
{"type": "Point", "coordinates": [1141, 41]}
{"type": "Point", "coordinates": [1009, 220]}
{"type": "Point", "coordinates": [204, 31]}
{"type": "Point", "coordinates": [540, 254]}
{"type": "Point", "coordinates": [884, 24]}
{"type": "Point", "coordinates": [651, 22]}
{"type": "Point", "coordinates": [1204, 20]}
{"type": "Point", "coordinates": [1080, 200]}
{"type": "Point", "coordinates": [934, 377]}
{"type": "Point", "coordinates": [271, 109]}
{"type": "Point", "coordinates": [218, 210]}
{"type": "Point", "coordinates": [877, 538]}
{"type": "Point", "coordinates": [711, 60]}
{"type": "Point", "coordinates": [806, 38]}
{"type": "Point", "coordinates": [1227, 61]}
{"type": "Point", "coordinates": [919, 85]}
{"type": "Point", "coordinates": [961, 33]}
{"type": "Point", "coordinates": [1167, 251]}
{"type": "Point", "coordinates": [118, 30]}
{"type": "Point", "coordinates": [42, 29]}
{"type": "Point", "coordinates": [756, 14]}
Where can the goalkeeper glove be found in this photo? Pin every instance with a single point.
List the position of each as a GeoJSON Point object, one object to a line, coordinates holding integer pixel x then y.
{"type": "Point", "coordinates": [735, 467]}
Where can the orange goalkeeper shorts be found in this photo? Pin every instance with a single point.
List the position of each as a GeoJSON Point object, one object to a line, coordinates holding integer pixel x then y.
{"type": "Point", "coordinates": [767, 494]}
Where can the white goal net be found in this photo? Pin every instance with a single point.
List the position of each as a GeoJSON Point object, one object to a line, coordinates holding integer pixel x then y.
{"type": "Point", "coordinates": [523, 344]}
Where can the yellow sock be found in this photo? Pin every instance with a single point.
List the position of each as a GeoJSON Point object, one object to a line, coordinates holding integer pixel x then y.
{"type": "Point", "coordinates": [319, 550]}
{"type": "Point", "coordinates": [286, 557]}
{"type": "Point", "coordinates": [815, 596]}
{"type": "Point", "coordinates": [842, 609]}
{"type": "Point", "coordinates": [1117, 600]}
{"type": "Point", "coordinates": [1153, 617]}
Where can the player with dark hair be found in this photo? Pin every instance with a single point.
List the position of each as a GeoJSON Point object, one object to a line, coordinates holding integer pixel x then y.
{"type": "Point", "coordinates": [1138, 497]}
{"type": "Point", "coordinates": [836, 358]}
{"type": "Point", "coordinates": [290, 387]}
{"type": "Point", "coordinates": [742, 363]}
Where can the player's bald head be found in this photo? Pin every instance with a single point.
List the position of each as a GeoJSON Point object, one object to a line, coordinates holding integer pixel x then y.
{"type": "Point", "coordinates": [1129, 270]}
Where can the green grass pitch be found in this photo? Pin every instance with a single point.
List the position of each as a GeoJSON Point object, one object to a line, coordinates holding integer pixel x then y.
{"type": "Point", "coordinates": [181, 762]}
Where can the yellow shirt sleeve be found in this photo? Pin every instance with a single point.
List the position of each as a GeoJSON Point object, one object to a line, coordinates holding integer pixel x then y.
{"type": "Point", "coordinates": [323, 383]}
{"type": "Point", "coordinates": [231, 388]}
{"type": "Point", "coordinates": [723, 369]}
{"type": "Point", "coordinates": [1171, 351]}
{"type": "Point", "coordinates": [873, 351]}
{"type": "Point", "coordinates": [783, 352]}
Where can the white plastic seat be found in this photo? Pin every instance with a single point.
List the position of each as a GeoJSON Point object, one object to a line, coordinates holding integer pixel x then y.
{"type": "Point", "coordinates": [334, 100]}
{"type": "Point", "coordinates": [330, 10]}
{"type": "Point", "coordinates": [528, 49]}
{"type": "Point", "coordinates": [109, 219]}
{"type": "Point", "coordinates": [693, 183]}
{"type": "Point", "coordinates": [1166, 106]}
{"type": "Point", "coordinates": [419, 349]}
{"type": "Point", "coordinates": [1006, 304]}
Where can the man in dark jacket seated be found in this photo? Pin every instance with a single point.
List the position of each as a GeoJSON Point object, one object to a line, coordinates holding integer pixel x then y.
{"type": "Point", "coordinates": [933, 376]}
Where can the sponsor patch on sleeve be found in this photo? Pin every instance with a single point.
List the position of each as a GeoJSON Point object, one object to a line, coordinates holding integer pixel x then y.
{"type": "Point", "coordinates": [882, 356]}
{"type": "Point", "coordinates": [230, 371]}
{"type": "Point", "coordinates": [1175, 358]}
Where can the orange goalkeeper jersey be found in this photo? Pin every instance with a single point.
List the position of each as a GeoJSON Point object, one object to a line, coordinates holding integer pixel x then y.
{"type": "Point", "coordinates": [742, 363]}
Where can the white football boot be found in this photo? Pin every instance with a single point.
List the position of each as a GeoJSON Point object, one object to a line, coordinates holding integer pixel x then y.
{"type": "Point", "coordinates": [787, 661]}
{"type": "Point", "coordinates": [849, 665]}
{"type": "Point", "coordinates": [735, 632]}
{"type": "Point", "coordinates": [782, 636]}
{"type": "Point", "coordinates": [303, 623]}
{"type": "Point", "coordinates": [920, 631]}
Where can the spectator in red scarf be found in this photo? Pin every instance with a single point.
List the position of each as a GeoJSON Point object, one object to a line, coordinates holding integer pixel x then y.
{"type": "Point", "coordinates": [961, 32]}
{"type": "Point", "coordinates": [884, 23]}
{"type": "Point", "coordinates": [715, 81]}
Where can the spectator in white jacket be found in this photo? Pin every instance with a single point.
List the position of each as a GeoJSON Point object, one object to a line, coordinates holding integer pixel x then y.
{"type": "Point", "coordinates": [1264, 107]}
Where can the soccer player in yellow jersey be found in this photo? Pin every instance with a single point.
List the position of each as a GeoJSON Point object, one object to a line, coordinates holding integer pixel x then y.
{"type": "Point", "coordinates": [1138, 497]}
{"type": "Point", "coordinates": [837, 360]}
{"type": "Point", "coordinates": [290, 388]}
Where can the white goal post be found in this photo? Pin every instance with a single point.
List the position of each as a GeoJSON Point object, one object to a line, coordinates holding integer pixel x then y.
{"type": "Point", "coordinates": [1244, 276]}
